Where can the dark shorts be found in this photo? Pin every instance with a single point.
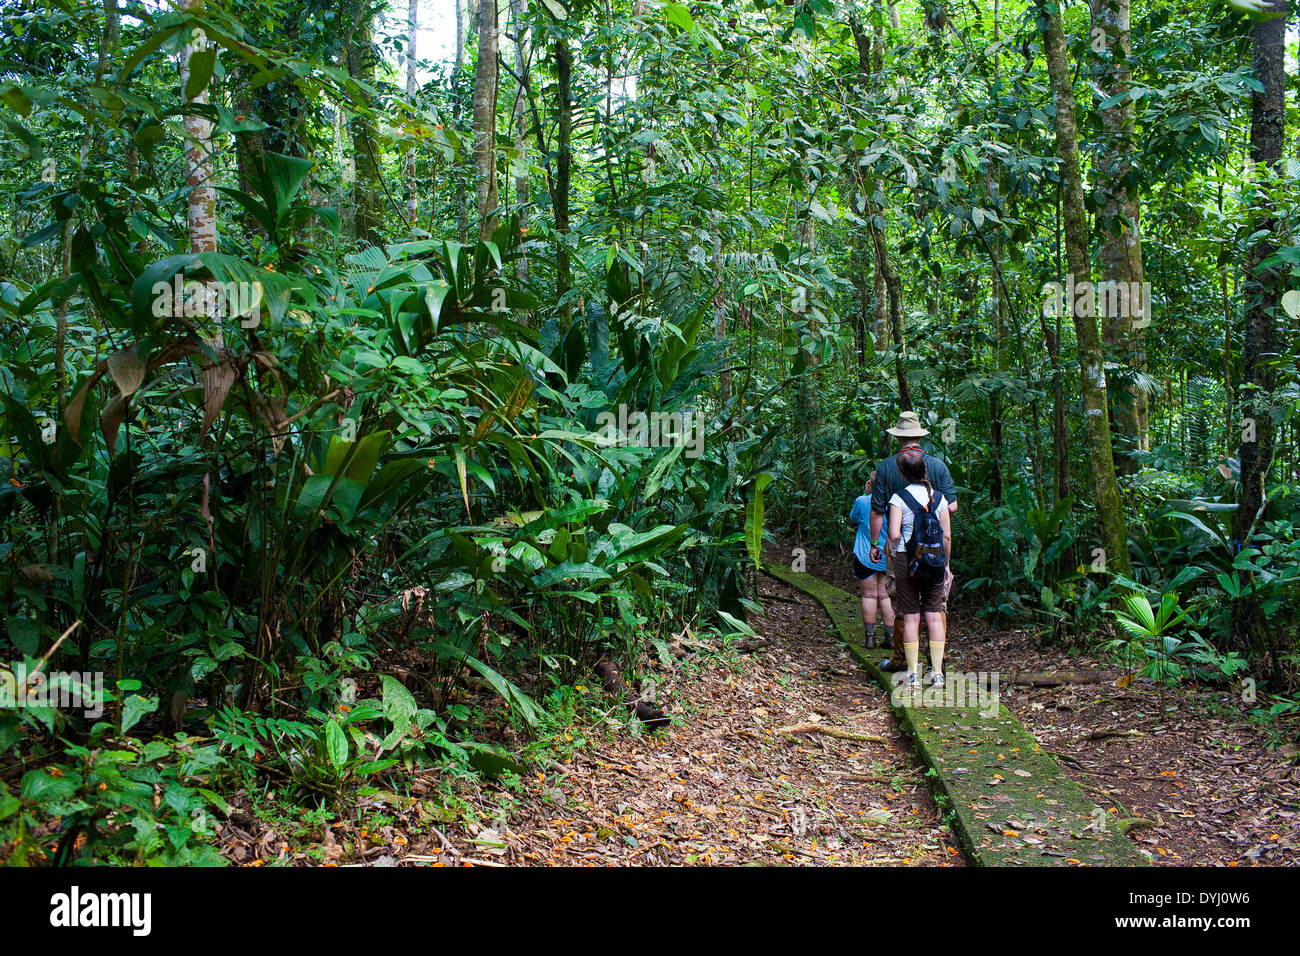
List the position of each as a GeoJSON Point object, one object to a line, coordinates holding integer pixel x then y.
{"type": "Point", "coordinates": [907, 597]}
{"type": "Point", "coordinates": [862, 571]}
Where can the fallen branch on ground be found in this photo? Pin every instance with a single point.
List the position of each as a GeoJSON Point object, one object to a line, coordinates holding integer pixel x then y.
{"type": "Point", "coordinates": [1107, 734]}
{"type": "Point", "coordinates": [808, 727]}
{"type": "Point", "coordinates": [1058, 678]}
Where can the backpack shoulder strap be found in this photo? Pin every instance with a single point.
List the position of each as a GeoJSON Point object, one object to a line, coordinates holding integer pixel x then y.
{"type": "Point", "coordinates": [911, 502]}
{"type": "Point", "coordinates": [934, 501]}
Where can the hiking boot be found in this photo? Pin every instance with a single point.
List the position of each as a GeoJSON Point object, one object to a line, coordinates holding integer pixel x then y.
{"type": "Point", "coordinates": [869, 640]}
{"type": "Point", "coordinates": [889, 665]}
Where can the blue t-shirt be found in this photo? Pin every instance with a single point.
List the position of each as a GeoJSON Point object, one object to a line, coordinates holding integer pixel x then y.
{"type": "Point", "coordinates": [861, 513]}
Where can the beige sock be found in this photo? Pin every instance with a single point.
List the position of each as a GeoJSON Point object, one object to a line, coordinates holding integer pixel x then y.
{"type": "Point", "coordinates": [936, 656]}
{"type": "Point", "coordinates": [912, 651]}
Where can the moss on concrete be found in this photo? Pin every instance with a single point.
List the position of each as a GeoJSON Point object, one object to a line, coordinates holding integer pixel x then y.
{"type": "Point", "coordinates": [1013, 805]}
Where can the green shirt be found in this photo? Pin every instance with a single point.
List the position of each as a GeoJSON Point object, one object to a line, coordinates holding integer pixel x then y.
{"type": "Point", "coordinates": [889, 481]}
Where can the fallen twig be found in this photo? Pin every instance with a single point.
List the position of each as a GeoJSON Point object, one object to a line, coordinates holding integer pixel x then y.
{"type": "Point", "coordinates": [1057, 678]}
{"type": "Point", "coordinates": [1107, 734]}
{"type": "Point", "coordinates": [446, 844]}
{"type": "Point", "coordinates": [808, 727]}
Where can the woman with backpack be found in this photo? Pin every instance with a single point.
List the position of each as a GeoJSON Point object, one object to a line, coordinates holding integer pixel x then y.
{"type": "Point", "coordinates": [870, 574]}
{"type": "Point", "coordinates": [920, 535]}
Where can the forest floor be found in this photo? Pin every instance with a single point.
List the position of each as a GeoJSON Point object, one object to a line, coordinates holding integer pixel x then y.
{"type": "Point", "coordinates": [725, 783]}
{"type": "Point", "coordinates": [751, 772]}
{"type": "Point", "coordinates": [733, 785]}
{"type": "Point", "coordinates": [1214, 784]}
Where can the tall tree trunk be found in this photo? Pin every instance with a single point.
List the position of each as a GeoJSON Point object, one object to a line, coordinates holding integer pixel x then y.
{"type": "Point", "coordinates": [485, 119]}
{"type": "Point", "coordinates": [1092, 369]}
{"type": "Point", "coordinates": [888, 276]}
{"type": "Point", "coordinates": [807, 408]}
{"type": "Point", "coordinates": [413, 20]}
{"type": "Point", "coordinates": [563, 160]}
{"type": "Point", "coordinates": [719, 307]}
{"type": "Point", "coordinates": [862, 232]}
{"type": "Point", "coordinates": [1120, 254]}
{"type": "Point", "coordinates": [201, 218]}
{"type": "Point", "coordinates": [861, 300]}
{"type": "Point", "coordinates": [458, 69]}
{"type": "Point", "coordinates": [248, 151]}
{"type": "Point", "coordinates": [368, 187]}
{"type": "Point", "coordinates": [1001, 358]}
{"type": "Point", "coordinates": [885, 283]}
{"type": "Point", "coordinates": [201, 203]}
{"type": "Point", "coordinates": [1263, 289]}
{"type": "Point", "coordinates": [519, 13]}
{"type": "Point", "coordinates": [880, 297]}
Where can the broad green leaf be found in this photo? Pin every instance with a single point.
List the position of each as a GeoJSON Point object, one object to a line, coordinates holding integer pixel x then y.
{"type": "Point", "coordinates": [336, 744]}
{"type": "Point", "coordinates": [136, 707]}
{"type": "Point", "coordinates": [754, 519]}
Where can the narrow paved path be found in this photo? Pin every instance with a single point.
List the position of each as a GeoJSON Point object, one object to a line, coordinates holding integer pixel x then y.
{"type": "Point", "coordinates": [732, 785]}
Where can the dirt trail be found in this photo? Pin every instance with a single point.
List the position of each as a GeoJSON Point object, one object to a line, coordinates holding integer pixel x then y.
{"type": "Point", "coordinates": [729, 787]}
{"type": "Point", "coordinates": [1211, 786]}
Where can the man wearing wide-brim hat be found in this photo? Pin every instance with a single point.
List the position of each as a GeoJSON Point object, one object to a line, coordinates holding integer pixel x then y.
{"type": "Point", "coordinates": [889, 482]}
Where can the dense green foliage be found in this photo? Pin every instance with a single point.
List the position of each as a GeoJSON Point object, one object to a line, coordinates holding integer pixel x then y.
{"type": "Point", "coordinates": [293, 546]}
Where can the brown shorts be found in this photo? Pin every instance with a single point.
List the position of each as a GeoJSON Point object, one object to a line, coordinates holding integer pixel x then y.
{"type": "Point", "coordinates": [909, 599]}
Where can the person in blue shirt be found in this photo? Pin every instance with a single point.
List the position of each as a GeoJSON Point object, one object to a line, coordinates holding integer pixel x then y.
{"type": "Point", "coordinates": [869, 570]}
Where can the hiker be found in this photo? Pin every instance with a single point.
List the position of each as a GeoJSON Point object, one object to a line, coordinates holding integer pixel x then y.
{"type": "Point", "coordinates": [870, 572]}
{"type": "Point", "coordinates": [886, 483]}
{"type": "Point", "coordinates": [920, 538]}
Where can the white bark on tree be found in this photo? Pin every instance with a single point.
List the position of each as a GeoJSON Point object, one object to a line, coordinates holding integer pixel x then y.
{"type": "Point", "coordinates": [201, 202]}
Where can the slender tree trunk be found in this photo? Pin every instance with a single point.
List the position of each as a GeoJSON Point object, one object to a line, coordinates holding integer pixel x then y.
{"type": "Point", "coordinates": [861, 300]}
{"type": "Point", "coordinates": [248, 151]}
{"type": "Point", "coordinates": [485, 119]}
{"type": "Point", "coordinates": [1001, 358]}
{"type": "Point", "coordinates": [413, 19]}
{"type": "Point", "coordinates": [807, 407]}
{"type": "Point", "coordinates": [201, 204]}
{"type": "Point", "coordinates": [368, 187]}
{"type": "Point", "coordinates": [720, 308]}
{"type": "Point", "coordinates": [201, 218]}
{"type": "Point", "coordinates": [880, 297]}
{"type": "Point", "coordinates": [458, 69]}
{"type": "Point", "coordinates": [1263, 288]}
{"type": "Point", "coordinates": [862, 238]}
{"type": "Point", "coordinates": [1092, 378]}
{"type": "Point", "coordinates": [888, 276]}
{"type": "Point", "coordinates": [1120, 254]}
{"type": "Point", "coordinates": [563, 160]}
{"type": "Point", "coordinates": [519, 13]}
